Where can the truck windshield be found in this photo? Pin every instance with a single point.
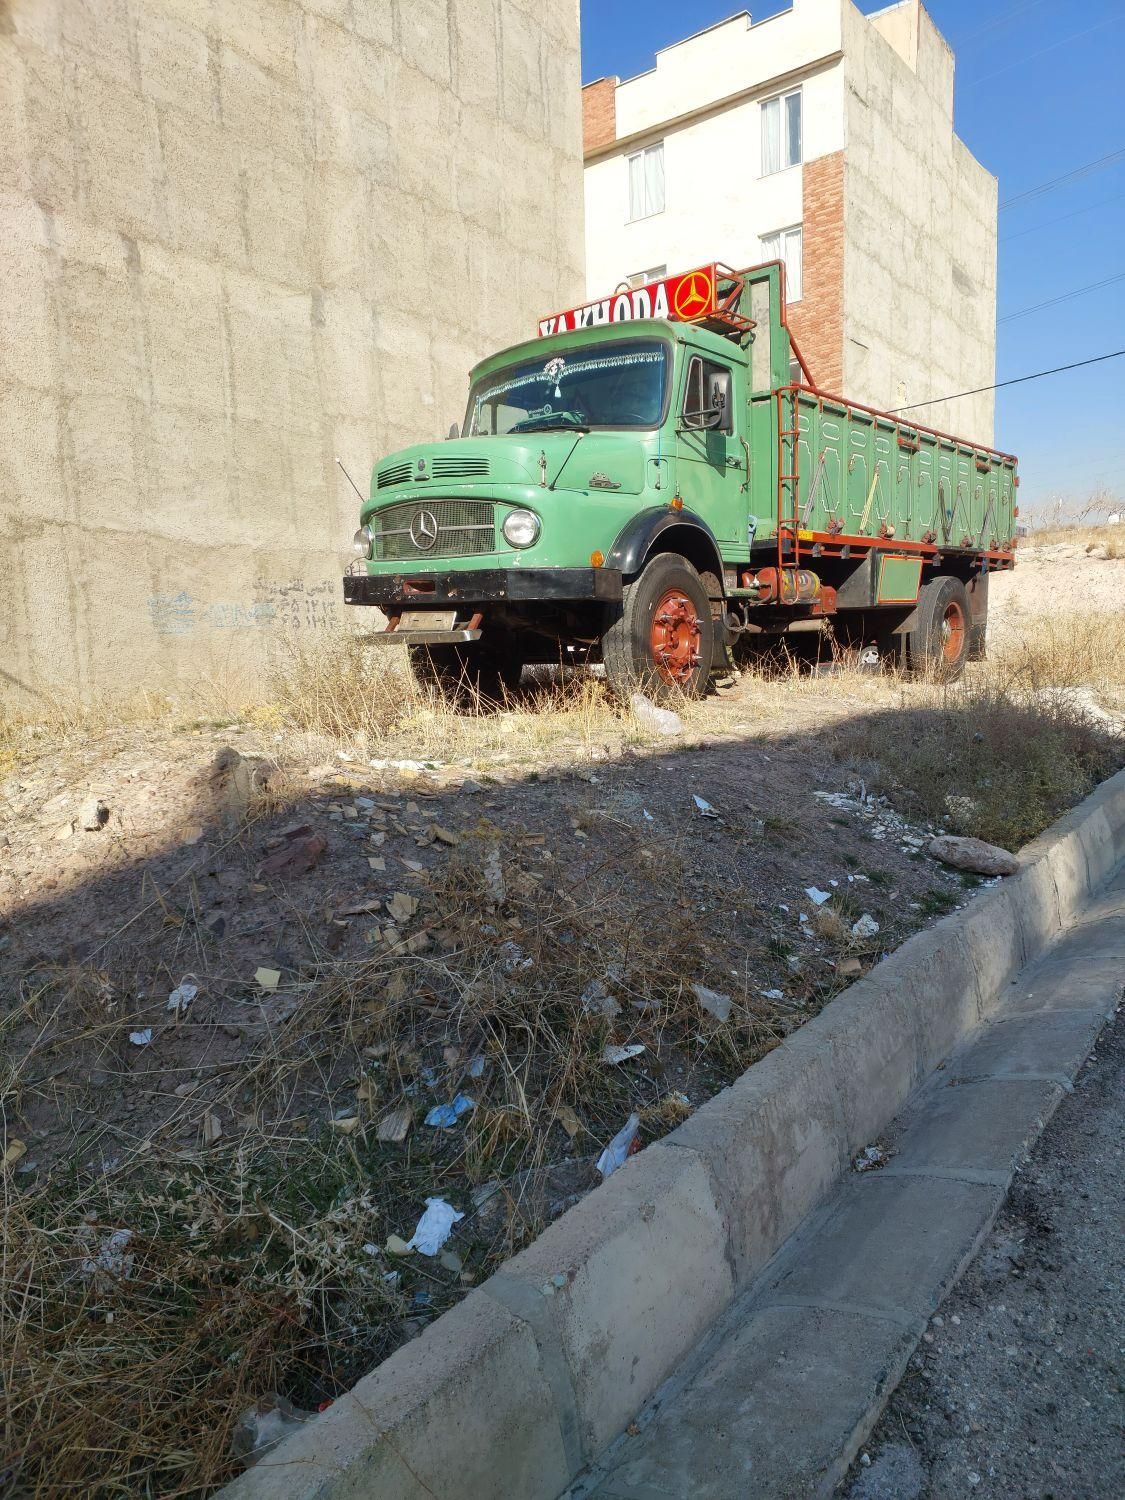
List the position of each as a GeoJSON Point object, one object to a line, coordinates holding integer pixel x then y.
{"type": "Point", "coordinates": [604, 385]}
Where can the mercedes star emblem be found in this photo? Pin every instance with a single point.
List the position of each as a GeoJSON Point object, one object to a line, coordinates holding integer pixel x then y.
{"type": "Point", "coordinates": [424, 530]}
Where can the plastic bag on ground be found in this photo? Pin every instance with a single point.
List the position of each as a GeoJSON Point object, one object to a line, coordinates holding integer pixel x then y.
{"type": "Point", "coordinates": [434, 1227]}
{"type": "Point", "coordinates": [617, 1151]}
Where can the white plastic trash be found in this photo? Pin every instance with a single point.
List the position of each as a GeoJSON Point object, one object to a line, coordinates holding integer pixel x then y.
{"type": "Point", "coordinates": [617, 1151]}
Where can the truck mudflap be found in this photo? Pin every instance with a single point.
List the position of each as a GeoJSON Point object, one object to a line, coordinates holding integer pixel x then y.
{"type": "Point", "coordinates": [395, 592]}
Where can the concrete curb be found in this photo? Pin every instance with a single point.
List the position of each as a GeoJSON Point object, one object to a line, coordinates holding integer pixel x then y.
{"type": "Point", "coordinates": [513, 1392]}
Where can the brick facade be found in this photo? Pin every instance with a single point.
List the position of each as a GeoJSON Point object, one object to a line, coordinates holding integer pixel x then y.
{"type": "Point", "coordinates": [599, 114]}
{"type": "Point", "coordinates": [817, 321]}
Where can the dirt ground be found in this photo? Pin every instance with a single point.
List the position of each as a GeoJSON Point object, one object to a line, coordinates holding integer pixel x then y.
{"type": "Point", "coordinates": [243, 965]}
{"type": "Point", "coordinates": [1016, 1389]}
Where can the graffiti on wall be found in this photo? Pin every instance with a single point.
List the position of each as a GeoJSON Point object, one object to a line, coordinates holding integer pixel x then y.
{"type": "Point", "coordinates": [293, 605]}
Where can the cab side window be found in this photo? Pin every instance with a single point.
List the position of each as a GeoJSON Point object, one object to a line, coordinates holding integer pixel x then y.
{"type": "Point", "coordinates": [707, 396]}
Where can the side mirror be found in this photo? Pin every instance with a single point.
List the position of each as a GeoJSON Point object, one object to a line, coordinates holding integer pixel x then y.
{"type": "Point", "coordinates": [454, 431]}
{"type": "Point", "coordinates": [716, 414]}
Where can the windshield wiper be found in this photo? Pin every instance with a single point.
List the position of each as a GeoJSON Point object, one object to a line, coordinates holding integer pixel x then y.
{"type": "Point", "coordinates": [546, 424]}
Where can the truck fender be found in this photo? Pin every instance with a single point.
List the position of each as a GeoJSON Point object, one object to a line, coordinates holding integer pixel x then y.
{"type": "Point", "coordinates": [664, 530]}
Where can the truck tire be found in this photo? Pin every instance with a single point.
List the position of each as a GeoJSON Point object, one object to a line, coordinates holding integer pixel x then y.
{"type": "Point", "coordinates": [462, 673]}
{"type": "Point", "coordinates": [661, 641]}
{"type": "Point", "coordinates": [939, 643]}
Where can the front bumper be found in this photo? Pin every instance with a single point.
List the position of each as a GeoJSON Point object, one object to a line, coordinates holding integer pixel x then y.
{"type": "Point", "coordinates": [394, 592]}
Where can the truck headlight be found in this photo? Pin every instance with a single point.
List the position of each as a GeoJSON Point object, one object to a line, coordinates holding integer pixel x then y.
{"type": "Point", "coordinates": [521, 528]}
{"type": "Point", "coordinates": [363, 543]}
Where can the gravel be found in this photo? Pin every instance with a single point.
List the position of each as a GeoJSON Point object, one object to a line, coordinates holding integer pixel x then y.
{"type": "Point", "coordinates": [1015, 1390]}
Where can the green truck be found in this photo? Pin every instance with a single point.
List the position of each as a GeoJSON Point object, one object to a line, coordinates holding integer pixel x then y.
{"type": "Point", "coordinates": [656, 483]}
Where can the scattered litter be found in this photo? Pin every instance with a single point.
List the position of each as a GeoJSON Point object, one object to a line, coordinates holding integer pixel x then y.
{"type": "Point", "coordinates": [712, 1002]}
{"type": "Point", "coordinates": [434, 1227]}
{"type": "Point", "coordinates": [866, 926]}
{"type": "Point", "coordinates": [402, 906]}
{"type": "Point", "coordinates": [268, 979]}
{"type": "Point", "coordinates": [361, 908]}
{"type": "Point", "coordinates": [596, 1000]}
{"type": "Point", "coordinates": [297, 856]}
{"type": "Point", "coordinates": [817, 897]}
{"type": "Point", "coordinates": [705, 809]}
{"type": "Point", "coordinates": [514, 958]}
{"type": "Point", "coordinates": [451, 1261]}
{"type": "Point", "coordinates": [569, 1120]}
{"type": "Point", "coordinates": [396, 1245]}
{"type": "Point", "coordinates": [804, 917]}
{"type": "Point", "coordinates": [871, 1158]}
{"type": "Point", "coordinates": [648, 817]}
{"type": "Point", "coordinates": [112, 1260]}
{"type": "Point", "coordinates": [13, 1152]}
{"type": "Point", "coordinates": [395, 1125]}
{"type": "Point", "coordinates": [476, 1067]}
{"type": "Point", "coordinates": [447, 1115]}
{"type": "Point", "coordinates": [774, 994]}
{"type": "Point", "coordinates": [261, 1427]}
{"type": "Point", "coordinates": [615, 1053]}
{"type": "Point", "coordinates": [212, 1128]}
{"type": "Point", "coordinates": [181, 997]}
{"type": "Point", "coordinates": [494, 878]}
{"type": "Point", "coordinates": [403, 765]}
{"type": "Point", "coordinates": [659, 720]}
{"type": "Point", "coordinates": [376, 862]}
{"type": "Point", "coordinates": [141, 1038]}
{"type": "Point", "coordinates": [345, 1125]}
{"type": "Point", "coordinates": [848, 967]}
{"type": "Point", "coordinates": [617, 1151]}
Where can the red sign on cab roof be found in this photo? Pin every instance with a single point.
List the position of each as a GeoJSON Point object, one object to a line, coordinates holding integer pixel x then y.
{"type": "Point", "coordinates": [687, 298]}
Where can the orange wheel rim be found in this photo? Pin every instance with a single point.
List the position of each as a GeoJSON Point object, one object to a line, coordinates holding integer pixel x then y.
{"type": "Point", "coordinates": [953, 632]}
{"type": "Point", "coordinates": [675, 637]}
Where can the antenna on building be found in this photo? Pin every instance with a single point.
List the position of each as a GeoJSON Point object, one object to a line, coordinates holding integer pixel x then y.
{"type": "Point", "coordinates": [351, 481]}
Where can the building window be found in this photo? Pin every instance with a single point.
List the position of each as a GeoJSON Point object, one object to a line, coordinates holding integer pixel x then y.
{"type": "Point", "coordinates": [646, 182]}
{"type": "Point", "coordinates": [785, 245]}
{"type": "Point", "coordinates": [781, 132]}
{"type": "Point", "coordinates": [646, 278]}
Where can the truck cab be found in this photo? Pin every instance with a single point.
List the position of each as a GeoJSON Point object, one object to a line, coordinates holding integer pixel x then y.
{"type": "Point", "coordinates": [624, 488]}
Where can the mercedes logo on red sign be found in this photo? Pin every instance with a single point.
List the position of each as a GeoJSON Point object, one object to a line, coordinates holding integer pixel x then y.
{"type": "Point", "coordinates": [424, 530]}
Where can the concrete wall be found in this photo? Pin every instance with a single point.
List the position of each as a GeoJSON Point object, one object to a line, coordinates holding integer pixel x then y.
{"type": "Point", "coordinates": [920, 229]}
{"type": "Point", "coordinates": [237, 238]}
{"type": "Point", "coordinates": [718, 204]}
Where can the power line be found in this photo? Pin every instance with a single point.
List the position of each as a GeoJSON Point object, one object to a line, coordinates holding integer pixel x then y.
{"type": "Point", "coordinates": [1079, 291]}
{"type": "Point", "coordinates": [1000, 20]}
{"type": "Point", "coordinates": [1051, 47]}
{"type": "Point", "coordinates": [1061, 218]}
{"type": "Point", "coordinates": [1054, 182]}
{"type": "Point", "coordinates": [1017, 380]}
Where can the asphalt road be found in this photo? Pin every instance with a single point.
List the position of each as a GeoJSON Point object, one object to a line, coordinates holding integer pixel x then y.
{"type": "Point", "coordinates": [1016, 1391]}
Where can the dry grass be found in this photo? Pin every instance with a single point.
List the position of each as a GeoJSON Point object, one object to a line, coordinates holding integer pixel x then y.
{"type": "Point", "coordinates": [258, 1264]}
{"type": "Point", "coordinates": [1107, 541]}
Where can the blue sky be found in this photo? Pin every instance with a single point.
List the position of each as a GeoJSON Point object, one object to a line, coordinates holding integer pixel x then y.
{"type": "Point", "coordinates": [1039, 93]}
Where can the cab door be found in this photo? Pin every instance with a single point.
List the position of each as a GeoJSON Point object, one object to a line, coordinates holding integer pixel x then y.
{"type": "Point", "coordinates": [711, 455]}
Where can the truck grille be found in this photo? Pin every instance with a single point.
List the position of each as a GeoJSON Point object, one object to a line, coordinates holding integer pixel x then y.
{"type": "Point", "coordinates": [459, 528]}
{"type": "Point", "coordinates": [436, 468]}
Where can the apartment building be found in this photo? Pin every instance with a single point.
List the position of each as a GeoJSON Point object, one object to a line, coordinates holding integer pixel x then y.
{"type": "Point", "coordinates": [823, 138]}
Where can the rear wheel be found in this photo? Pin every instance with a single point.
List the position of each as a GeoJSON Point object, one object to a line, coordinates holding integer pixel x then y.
{"type": "Point", "coordinates": [662, 641]}
{"type": "Point", "coordinates": [939, 643]}
{"type": "Point", "coordinates": [476, 669]}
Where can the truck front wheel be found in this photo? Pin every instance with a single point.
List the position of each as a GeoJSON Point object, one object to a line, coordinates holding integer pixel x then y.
{"type": "Point", "coordinates": [939, 643]}
{"type": "Point", "coordinates": [662, 641]}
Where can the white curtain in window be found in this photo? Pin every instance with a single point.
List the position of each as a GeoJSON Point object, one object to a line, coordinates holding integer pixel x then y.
{"type": "Point", "coordinates": [792, 129]}
{"type": "Point", "coordinates": [654, 179]}
{"type": "Point", "coordinates": [636, 187]}
{"type": "Point", "coordinates": [771, 136]}
{"type": "Point", "coordinates": [791, 254]}
{"type": "Point", "coordinates": [771, 247]}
